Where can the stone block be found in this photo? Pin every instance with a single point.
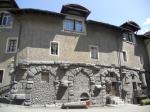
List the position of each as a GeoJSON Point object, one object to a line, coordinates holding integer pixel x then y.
{"type": "Point", "coordinates": [88, 71]}
{"type": "Point", "coordinates": [27, 103]}
{"type": "Point", "coordinates": [71, 92]}
{"type": "Point", "coordinates": [44, 67]}
{"type": "Point", "coordinates": [20, 96]}
{"type": "Point", "coordinates": [28, 96]}
{"type": "Point", "coordinates": [29, 85]}
{"type": "Point", "coordinates": [30, 74]}
{"type": "Point", "coordinates": [38, 69]}
{"type": "Point", "coordinates": [33, 70]}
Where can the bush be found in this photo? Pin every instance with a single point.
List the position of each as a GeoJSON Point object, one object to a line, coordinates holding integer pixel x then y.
{"type": "Point", "coordinates": [145, 102]}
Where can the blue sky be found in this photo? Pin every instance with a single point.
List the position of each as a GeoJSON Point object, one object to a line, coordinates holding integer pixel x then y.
{"type": "Point", "coordinates": [114, 12]}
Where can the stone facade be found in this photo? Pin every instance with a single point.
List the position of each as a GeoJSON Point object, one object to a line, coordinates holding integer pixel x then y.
{"type": "Point", "coordinates": [72, 75]}
{"type": "Point", "coordinates": [67, 83]}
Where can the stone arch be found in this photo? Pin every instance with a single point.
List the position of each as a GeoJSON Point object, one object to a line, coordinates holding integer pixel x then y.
{"type": "Point", "coordinates": [111, 79]}
{"type": "Point", "coordinates": [84, 96]}
{"type": "Point", "coordinates": [105, 73]}
{"type": "Point", "coordinates": [35, 89]}
{"type": "Point", "coordinates": [86, 71]}
{"type": "Point", "coordinates": [77, 75]}
{"type": "Point", "coordinates": [32, 71]}
{"type": "Point", "coordinates": [132, 74]}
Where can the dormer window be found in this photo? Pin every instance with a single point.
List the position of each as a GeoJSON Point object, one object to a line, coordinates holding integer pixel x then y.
{"type": "Point", "coordinates": [129, 37]}
{"type": "Point", "coordinates": [73, 25]}
{"type": "Point", "coordinates": [5, 20]}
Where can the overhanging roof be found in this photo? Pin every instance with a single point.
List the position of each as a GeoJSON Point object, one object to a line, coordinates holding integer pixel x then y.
{"type": "Point", "coordinates": [75, 9]}
{"type": "Point", "coordinates": [45, 12]}
{"type": "Point", "coordinates": [131, 25]}
{"type": "Point", "coordinates": [106, 24]}
{"type": "Point", "coordinates": [8, 4]}
{"type": "Point", "coordinates": [38, 11]}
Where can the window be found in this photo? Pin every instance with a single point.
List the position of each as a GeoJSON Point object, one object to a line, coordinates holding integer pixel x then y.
{"type": "Point", "coordinates": [78, 26]}
{"type": "Point", "coordinates": [45, 77]}
{"type": "Point", "coordinates": [141, 60]}
{"type": "Point", "coordinates": [94, 52]}
{"type": "Point", "coordinates": [129, 36]}
{"type": "Point", "coordinates": [1, 75]}
{"type": "Point", "coordinates": [5, 19]}
{"type": "Point", "coordinates": [54, 48]}
{"type": "Point", "coordinates": [11, 46]}
{"type": "Point", "coordinates": [134, 85]}
{"type": "Point", "coordinates": [124, 55]}
{"type": "Point", "coordinates": [73, 25]}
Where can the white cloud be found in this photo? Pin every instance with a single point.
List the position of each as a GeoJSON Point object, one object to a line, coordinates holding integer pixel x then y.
{"type": "Point", "coordinates": [143, 31]}
{"type": "Point", "coordinates": [147, 21]}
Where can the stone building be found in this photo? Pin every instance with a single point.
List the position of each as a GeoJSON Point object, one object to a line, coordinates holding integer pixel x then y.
{"type": "Point", "coordinates": [147, 42]}
{"type": "Point", "coordinates": [48, 57]}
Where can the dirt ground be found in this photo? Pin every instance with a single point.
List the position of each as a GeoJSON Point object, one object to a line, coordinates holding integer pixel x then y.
{"type": "Point", "coordinates": [112, 108]}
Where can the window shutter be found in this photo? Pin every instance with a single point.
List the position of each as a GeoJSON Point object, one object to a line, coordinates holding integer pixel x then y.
{"type": "Point", "coordinates": [134, 38]}
{"type": "Point", "coordinates": [1, 18]}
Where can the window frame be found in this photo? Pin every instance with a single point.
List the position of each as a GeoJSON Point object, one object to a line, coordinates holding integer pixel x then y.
{"type": "Point", "coordinates": [44, 81]}
{"type": "Point", "coordinates": [2, 75]}
{"type": "Point", "coordinates": [75, 19]}
{"type": "Point", "coordinates": [129, 37]}
{"type": "Point", "coordinates": [91, 51]}
{"type": "Point", "coordinates": [124, 57]}
{"type": "Point", "coordinates": [50, 53]}
{"type": "Point", "coordinates": [2, 19]}
{"type": "Point", "coordinates": [141, 59]}
{"type": "Point", "coordinates": [11, 38]}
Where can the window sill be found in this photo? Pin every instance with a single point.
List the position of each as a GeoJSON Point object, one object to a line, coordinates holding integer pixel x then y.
{"type": "Point", "coordinates": [11, 52]}
{"type": "Point", "coordinates": [54, 55]}
{"type": "Point", "coordinates": [74, 32]}
{"type": "Point", "coordinates": [94, 59]}
{"type": "Point", "coordinates": [130, 42]}
{"type": "Point", "coordinates": [5, 27]}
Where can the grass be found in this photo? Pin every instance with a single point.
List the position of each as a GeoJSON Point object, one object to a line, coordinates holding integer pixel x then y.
{"type": "Point", "coordinates": [145, 101]}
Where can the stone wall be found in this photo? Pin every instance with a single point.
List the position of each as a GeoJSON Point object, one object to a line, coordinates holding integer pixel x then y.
{"type": "Point", "coordinates": [67, 83]}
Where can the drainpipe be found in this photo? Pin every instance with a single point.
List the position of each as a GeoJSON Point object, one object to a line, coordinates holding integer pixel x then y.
{"type": "Point", "coordinates": [18, 46]}
{"type": "Point", "coordinates": [119, 63]}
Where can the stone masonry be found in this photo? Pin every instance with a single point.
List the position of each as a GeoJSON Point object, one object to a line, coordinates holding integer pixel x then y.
{"type": "Point", "coordinates": [75, 82]}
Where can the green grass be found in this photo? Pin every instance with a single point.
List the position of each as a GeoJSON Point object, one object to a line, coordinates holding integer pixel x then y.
{"type": "Point", "coordinates": [145, 102]}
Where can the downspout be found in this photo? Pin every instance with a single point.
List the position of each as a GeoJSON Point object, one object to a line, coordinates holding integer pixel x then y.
{"type": "Point", "coordinates": [120, 64]}
{"type": "Point", "coordinates": [18, 46]}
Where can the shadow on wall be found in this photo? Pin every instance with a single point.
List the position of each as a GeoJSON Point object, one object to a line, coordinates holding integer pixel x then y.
{"type": "Point", "coordinates": [141, 50]}
{"type": "Point", "coordinates": [60, 93]}
{"type": "Point", "coordinates": [107, 39]}
{"type": "Point", "coordinates": [40, 31]}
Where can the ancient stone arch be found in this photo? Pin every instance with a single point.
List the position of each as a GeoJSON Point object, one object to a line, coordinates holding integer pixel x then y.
{"type": "Point", "coordinates": [31, 73]}
{"type": "Point", "coordinates": [105, 73]}
{"type": "Point", "coordinates": [109, 77]}
{"type": "Point", "coordinates": [131, 74]}
{"type": "Point", "coordinates": [34, 70]}
{"type": "Point", "coordinates": [74, 75]}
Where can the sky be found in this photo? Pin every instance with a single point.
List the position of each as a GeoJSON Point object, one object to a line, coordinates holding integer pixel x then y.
{"type": "Point", "coordinates": [114, 12]}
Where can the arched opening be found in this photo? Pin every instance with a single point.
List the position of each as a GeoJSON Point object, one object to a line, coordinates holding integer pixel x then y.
{"type": "Point", "coordinates": [112, 84]}
{"type": "Point", "coordinates": [81, 85]}
{"type": "Point", "coordinates": [84, 97]}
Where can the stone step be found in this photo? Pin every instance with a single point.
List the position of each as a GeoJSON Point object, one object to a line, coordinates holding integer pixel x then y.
{"type": "Point", "coordinates": [116, 100]}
